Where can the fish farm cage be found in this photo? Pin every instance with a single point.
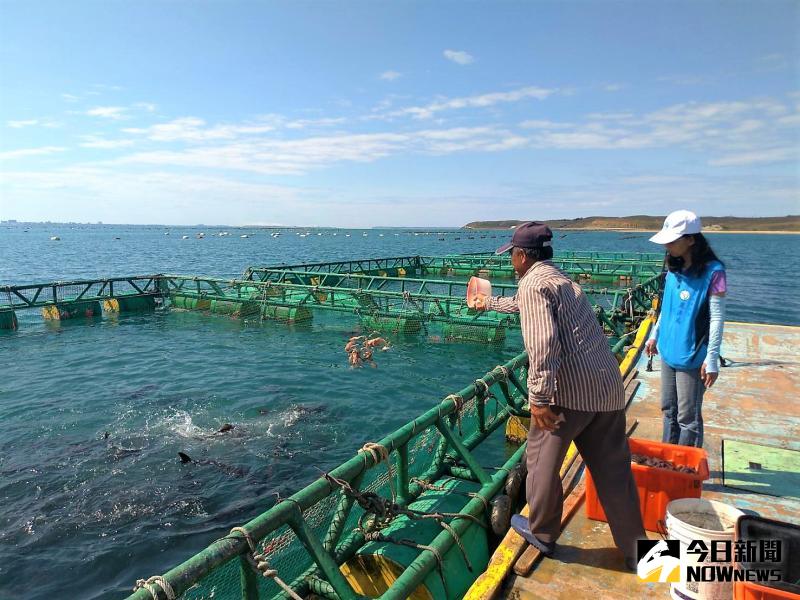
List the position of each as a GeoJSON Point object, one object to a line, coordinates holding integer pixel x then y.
{"type": "Point", "coordinates": [402, 295]}
{"type": "Point", "coordinates": [414, 514]}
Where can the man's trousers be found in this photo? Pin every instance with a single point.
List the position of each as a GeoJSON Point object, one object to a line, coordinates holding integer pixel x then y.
{"type": "Point", "coordinates": [600, 439]}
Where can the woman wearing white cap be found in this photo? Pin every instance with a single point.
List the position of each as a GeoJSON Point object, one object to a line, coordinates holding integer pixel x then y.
{"type": "Point", "coordinates": [688, 333]}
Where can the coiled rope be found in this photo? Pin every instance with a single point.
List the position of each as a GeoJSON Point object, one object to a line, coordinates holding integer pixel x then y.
{"type": "Point", "coordinates": [459, 402]}
{"type": "Point", "coordinates": [503, 370]}
{"type": "Point", "coordinates": [379, 454]}
{"type": "Point", "coordinates": [259, 562]}
{"type": "Point", "coordinates": [162, 583]}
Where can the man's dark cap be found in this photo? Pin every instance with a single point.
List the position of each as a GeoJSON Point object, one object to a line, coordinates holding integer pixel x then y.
{"type": "Point", "coordinates": [532, 234]}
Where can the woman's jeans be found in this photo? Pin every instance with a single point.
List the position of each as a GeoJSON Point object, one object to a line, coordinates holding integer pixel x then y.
{"type": "Point", "coordinates": [681, 404]}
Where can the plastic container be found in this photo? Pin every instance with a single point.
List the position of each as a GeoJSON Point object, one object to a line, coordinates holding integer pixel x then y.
{"type": "Point", "coordinates": [476, 288]}
{"type": "Point", "coordinates": [751, 528]}
{"type": "Point", "coordinates": [657, 487]}
{"type": "Point", "coordinates": [699, 519]}
{"type": "Point", "coordinates": [747, 590]}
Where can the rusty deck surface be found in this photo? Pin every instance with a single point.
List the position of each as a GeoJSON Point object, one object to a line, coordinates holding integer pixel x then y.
{"type": "Point", "coordinates": [755, 400]}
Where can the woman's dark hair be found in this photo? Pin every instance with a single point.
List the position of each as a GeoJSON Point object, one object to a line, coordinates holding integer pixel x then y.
{"type": "Point", "coordinates": [543, 253]}
{"type": "Point", "coordinates": [702, 254]}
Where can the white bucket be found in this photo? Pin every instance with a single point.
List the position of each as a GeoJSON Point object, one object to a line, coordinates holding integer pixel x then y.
{"type": "Point", "coordinates": [699, 519]}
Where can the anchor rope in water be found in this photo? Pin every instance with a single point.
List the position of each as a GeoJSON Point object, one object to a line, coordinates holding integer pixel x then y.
{"type": "Point", "coordinates": [162, 583]}
{"type": "Point", "coordinates": [258, 561]}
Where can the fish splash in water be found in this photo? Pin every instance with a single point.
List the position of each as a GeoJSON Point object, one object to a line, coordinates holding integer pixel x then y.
{"type": "Point", "coordinates": [228, 469]}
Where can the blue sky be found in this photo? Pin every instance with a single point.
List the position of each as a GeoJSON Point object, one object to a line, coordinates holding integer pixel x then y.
{"type": "Point", "coordinates": [396, 113]}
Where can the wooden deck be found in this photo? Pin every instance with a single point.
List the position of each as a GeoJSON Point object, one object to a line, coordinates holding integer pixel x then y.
{"type": "Point", "coordinates": [755, 400]}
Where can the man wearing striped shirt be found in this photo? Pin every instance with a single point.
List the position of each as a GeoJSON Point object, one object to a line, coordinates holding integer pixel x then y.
{"type": "Point", "coordinates": [575, 392]}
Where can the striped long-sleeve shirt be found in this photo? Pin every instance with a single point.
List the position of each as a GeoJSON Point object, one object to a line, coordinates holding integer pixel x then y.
{"type": "Point", "coordinates": [570, 362]}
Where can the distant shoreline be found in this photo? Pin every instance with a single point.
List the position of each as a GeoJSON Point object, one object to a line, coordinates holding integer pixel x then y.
{"type": "Point", "coordinates": [787, 224]}
{"type": "Point", "coordinates": [625, 230]}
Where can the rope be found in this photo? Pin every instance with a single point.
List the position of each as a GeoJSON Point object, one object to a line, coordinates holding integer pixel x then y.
{"type": "Point", "coordinates": [459, 402]}
{"type": "Point", "coordinates": [502, 369]}
{"type": "Point", "coordinates": [148, 585]}
{"type": "Point", "coordinates": [380, 453]}
{"type": "Point", "coordinates": [386, 510]}
{"type": "Point", "coordinates": [440, 488]}
{"type": "Point", "coordinates": [259, 562]}
{"type": "Point", "coordinates": [377, 536]}
{"type": "Point", "coordinates": [480, 383]}
{"type": "Point", "coordinates": [457, 539]}
{"type": "Point", "coordinates": [250, 541]}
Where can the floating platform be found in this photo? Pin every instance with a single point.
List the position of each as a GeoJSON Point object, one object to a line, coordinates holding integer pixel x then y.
{"type": "Point", "coordinates": [400, 295]}
{"type": "Point", "coordinates": [752, 408]}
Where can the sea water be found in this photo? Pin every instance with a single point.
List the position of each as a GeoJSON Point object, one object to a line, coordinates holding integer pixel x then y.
{"type": "Point", "coordinates": [93, 413]}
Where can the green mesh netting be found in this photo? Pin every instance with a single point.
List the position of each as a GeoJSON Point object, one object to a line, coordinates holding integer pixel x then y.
{"type": "Point", "coordinates": [284, 550]}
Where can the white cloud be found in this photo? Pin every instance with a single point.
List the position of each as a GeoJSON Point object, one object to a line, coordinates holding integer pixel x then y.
{"type": "Point", "coordinates": [612, 87]}
{"type": "Point", "coordinates": [45, 122]}
{"type": "Point", "coordinates": [299, 156]}
{"type": "Point", "coordinates": [686, 79]}
{"type": "Point", "coordinates": [20, 124]}
{"type": "Point", "coordinates": [478, 101]}
{"type": "Point", "coordinates": [106, 87]}
{"type": "Point", "coordinates": [115, 113]}
{"type": "Point", "coordinates": [745, 132]}
{"type": "Point", "coordinates": [70, 97]}
{"type": "Point", "coordinates": [193, 129]}
{"type": "Point", "coordinates": [459, 56]}
{"type": "Point", "coordinates": [544, 124]}
{"type": "Point", "coordinates": [146, 106]}
{"type": "Point", "coordinates": [789, 153]}
{"type": "Point", "coordinates": [91, 141]}
{"type": "Point", "coordinates": [390, 75]}
{"type": "Point", "coordinates": [12, 154]}
{"type": "Point", "coordinates": [307, 123]}
{"type": "Point", "coordinates": [114, 195]}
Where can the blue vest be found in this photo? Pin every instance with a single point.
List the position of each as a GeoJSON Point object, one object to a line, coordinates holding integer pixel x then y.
{"type": "Point", "coordinates": [683, 334]}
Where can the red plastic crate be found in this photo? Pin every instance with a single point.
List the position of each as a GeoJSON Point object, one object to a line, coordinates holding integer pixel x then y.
{"type": "Point", "coordinates": [657, 487]}
{"type": "Point", "coordinates": [750, 527]}
{"type": "Point", "coordinates": [747, 590]}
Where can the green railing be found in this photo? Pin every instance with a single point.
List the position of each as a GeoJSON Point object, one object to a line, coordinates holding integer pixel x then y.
{"type": "Point", "coordinates": [37, 295]}
{"type": "Point", "coordinates": [622, 267]}
{"type": "Point", "coordinates": [317, 523]}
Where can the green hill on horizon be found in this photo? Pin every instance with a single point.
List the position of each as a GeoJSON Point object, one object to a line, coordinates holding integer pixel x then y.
{"type": "Point", "coordinates": [654, 223]}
